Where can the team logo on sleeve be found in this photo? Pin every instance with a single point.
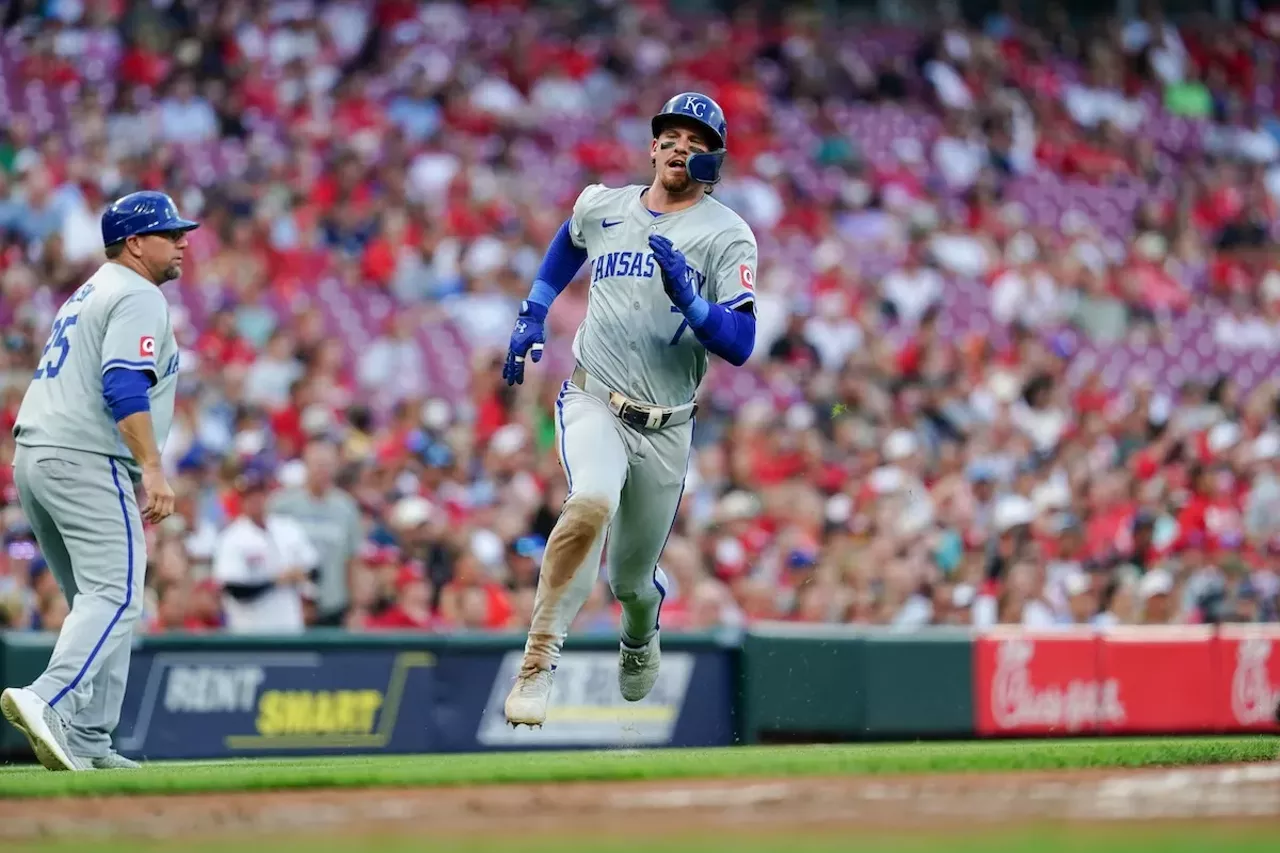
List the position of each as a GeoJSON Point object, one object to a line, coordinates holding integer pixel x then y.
{"type": "Point", "coordinates": [747, 277]}
{"type": "Point", "coordinates": [147, 346]}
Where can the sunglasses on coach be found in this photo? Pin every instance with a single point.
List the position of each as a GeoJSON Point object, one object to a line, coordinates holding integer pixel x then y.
{"type": "Point", "coordinates": [173, 235]}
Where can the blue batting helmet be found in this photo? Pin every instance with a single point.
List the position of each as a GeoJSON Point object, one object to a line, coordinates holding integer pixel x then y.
{"type": "Point", "coordinates": [707, 115]}
{"type": "Point", "coordinates": [143, 212]}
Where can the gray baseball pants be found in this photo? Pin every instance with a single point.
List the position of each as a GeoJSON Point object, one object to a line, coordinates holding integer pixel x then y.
{"type": "Point", "coordinates": [84, 512]}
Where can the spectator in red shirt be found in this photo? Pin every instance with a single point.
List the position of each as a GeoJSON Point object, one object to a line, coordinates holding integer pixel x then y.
{"type": "Point", "coordinates": [1112, 517]}
{"type": "Point", "coordinates": [142, 66]}
{"type": "Point", "coordinates": [383, 253]}
{"type": "Point", "coordinates": [221, 344]}
{"type": "Point", "coordinates": [204, 611]}
{"type": "Point", "coordinates": [286, 422]}
{"type": "Point", "coordinates": [474, 597]}
{"type": "Point", "coordinates": [1097, 158]}
{"type": "Point", "coordinates": [412, 607]}
{"type": "Point", "coordinates": [184, 607]}
{"type": "Point", "coordinates": [1213, 510]}
{"type": "Point", "coordinates": [355, 112]}
{"type": "Point", "coordinates": [1220, 201]}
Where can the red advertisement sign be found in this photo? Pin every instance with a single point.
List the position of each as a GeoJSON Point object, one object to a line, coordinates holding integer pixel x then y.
{"type": "Point", "coordinates": [1137, 680]}
{"type": "Point", "coordinates": [1248, 678]}
{"type": "Point", "coordinates": [1030, 683]}
{"type": "Point", "coordinates": [1167, 676]}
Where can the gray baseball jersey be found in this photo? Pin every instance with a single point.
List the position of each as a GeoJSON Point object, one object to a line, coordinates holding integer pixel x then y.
{"type": "Point", "coordinates": [633, 339]}
{"type": "Point", "coordinates": [115, 319]}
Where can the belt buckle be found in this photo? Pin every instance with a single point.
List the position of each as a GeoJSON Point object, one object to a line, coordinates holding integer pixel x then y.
{"type": "Point", "coordinates": [629, 412]}
{"type": "Point", "coordinates": [635, 415]}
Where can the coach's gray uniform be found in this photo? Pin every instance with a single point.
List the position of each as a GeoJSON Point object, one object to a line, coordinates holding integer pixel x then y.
{"type": "Point", "coordinates": [633, 341]}
{"type": "Point", "coordinates": [75, 479]}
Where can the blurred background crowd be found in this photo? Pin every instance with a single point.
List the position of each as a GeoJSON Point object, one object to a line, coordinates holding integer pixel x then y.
{"type": "Point", "coordinates": [1018, 297]}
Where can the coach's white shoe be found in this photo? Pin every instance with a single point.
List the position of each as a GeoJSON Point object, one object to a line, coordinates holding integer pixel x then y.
{"type": "Point", "coordinates": [638, 669]}
{"type": "Point", "coordinates": [527, 702]}
{"type": "Point", "coordinates": [32, 716]}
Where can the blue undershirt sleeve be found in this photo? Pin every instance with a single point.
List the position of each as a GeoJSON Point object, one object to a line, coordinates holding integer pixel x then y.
{"type": "Point", "coordinates": [559, 266]}
{"type": "Point", "coordinates": [125, 391]}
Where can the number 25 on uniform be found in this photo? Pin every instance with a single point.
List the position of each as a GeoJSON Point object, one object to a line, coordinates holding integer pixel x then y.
{"type": "Point", "coordinates": [50, 365]}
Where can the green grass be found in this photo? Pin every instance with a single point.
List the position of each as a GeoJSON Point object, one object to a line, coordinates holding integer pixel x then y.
{"type": "Point", "coordinates": [530, 767]}
{"type": "Point", "coordinates": [1252, 837]}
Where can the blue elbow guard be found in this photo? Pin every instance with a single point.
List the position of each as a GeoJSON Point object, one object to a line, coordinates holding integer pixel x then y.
{"type": "Point", "coordinates": [727, 333]}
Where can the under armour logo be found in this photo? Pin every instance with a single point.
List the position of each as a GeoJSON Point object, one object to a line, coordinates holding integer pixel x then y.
{"type": "Point", "coordinates": [695, 105]}
{"type": "Point", "coordinates": [521, 327]}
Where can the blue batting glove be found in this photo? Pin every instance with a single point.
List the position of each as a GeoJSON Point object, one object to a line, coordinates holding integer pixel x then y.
{"type": "Point", "coordinates": [675, 272]}
{"type": "Point", "coordinates": [527, 338]}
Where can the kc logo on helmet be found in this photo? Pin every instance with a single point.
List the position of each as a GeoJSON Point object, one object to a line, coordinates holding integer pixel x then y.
{"type": "Point", "coordinates": [695, 105]}
{"type": "Point", "coordinates": [147, 346]}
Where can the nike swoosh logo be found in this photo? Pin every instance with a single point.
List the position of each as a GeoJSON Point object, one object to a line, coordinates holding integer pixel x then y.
{"type": "Point", "coordinates": [608, 224]}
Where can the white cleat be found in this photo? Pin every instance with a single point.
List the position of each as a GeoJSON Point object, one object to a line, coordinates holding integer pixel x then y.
{"type": "Point", "coordinates": [527, 702]}
{"type": "Point", "coordinates": [114, 761]}
{"type": "Point", "coordinates": [638, 669]}
{"type": "Point", "coordinates": [32, 716]}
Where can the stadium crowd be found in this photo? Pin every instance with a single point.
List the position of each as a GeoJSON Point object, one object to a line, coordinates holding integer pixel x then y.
{"type": "Point", "coordinates": [969, 402]}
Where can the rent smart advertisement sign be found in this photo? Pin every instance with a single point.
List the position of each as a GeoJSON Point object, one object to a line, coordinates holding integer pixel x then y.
{"type": "Point", "coordinates": [225, 703]}
{"type": "Point", "coordinates": [210, 704]}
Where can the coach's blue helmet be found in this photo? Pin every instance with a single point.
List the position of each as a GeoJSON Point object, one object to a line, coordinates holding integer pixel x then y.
{"type": "Point", "coordinates": [144, 212]}
{"type": "Point", "coordinates": [706, 113]}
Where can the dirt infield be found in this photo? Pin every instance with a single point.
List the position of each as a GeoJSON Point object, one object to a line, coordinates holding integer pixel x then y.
{"type": "Point", "coordinates": [889, 802]}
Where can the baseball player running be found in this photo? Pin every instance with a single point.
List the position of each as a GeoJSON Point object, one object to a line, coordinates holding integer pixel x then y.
{"type": "Point", "coordinates": [672, 274]}
{"type": "Point", "coordinates": [91, 425]}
